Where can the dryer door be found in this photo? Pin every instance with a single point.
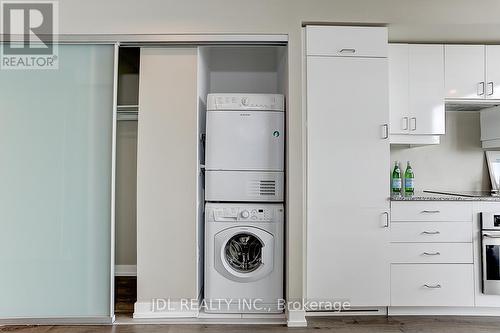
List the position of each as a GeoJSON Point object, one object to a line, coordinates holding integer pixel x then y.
{"type": "Point", "coordinates": [244, 254]}
{"type": "Point", "coordinates": [245, 140]}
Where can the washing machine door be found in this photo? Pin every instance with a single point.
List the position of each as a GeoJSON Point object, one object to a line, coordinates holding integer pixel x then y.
{"type": "Point", "coordinates": [244, 254]}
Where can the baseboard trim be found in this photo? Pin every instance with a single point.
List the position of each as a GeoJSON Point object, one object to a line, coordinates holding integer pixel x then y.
{"type": "Point", "coordinates": [176, 314]}
{"type": "Point", "coordinates": [58, 321]}
{"type": "Point", "coordinates": [144, 310]}
{"type": "Point", "coordinates": [125, 270]}
{"type": "Point", "coordinates": [296, 318]}
{"type": "Point", "coordinates": [201, 321]}
{"type": "Point", "coordinates": [442, 311]}
{"type": "Point", "coordinates": [378, 311]}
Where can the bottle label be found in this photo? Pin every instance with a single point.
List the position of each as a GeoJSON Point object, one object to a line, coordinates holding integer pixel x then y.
{"type": "Point", "coordinates": [396, 183]}
{"type": "Point", "coordinates": [409, 183]}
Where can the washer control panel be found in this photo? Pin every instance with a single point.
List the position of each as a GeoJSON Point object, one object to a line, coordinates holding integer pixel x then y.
{"type": "Point", "coordinates": [253, 213]}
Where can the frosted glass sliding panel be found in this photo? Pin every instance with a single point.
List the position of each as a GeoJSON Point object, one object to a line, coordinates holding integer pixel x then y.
{"type": "Point", "coordinates": [55, 189]}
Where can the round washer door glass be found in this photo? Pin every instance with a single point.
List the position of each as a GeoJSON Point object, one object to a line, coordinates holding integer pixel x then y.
{"type": "Point", "coordinates": [243, 252]}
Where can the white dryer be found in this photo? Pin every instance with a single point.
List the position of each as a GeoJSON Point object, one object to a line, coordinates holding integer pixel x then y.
{"type": "Point", "coordinates": [244, 158]}
{"type": "Point", "coordinates": [243, 257]}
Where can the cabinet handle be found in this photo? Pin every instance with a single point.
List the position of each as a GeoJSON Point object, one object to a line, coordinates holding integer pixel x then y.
{"type": "Point", "coordinates": [431, 211]}
{"type": "Point", "coordinates": [385, 131]}
{"type": "Point", "coordinates": [414, 121]}
{"type": "Point", "coordinates": [386, 221]}
{"type": "Point", "coordinates": [480, 89]}
{"type": "Point", "coordinates": [347, 51]}
{"type": "Point", "coordinates": [491, 236]}
{"type": "Point", "coordinates": [430, 232]}
{"type": "Point", "coordinates": [431, 253]}
{"type": "Point", "coordinates": [405, 123]}
{"type": "Point", "coordinates": [432, 286]}
{"type": "Point", "coordinates": [490, 88]}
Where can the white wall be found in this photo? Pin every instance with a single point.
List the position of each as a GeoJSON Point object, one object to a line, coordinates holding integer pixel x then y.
{"type": "Point", "coordinates": [126, 183]}
{"type": "Point", "coordinates": [409, 20]}
{"type": "Point", "coordinates": [458, 163]}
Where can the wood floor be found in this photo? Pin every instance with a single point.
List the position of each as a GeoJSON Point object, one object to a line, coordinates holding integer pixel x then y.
{"type": "Point", "coordinates": [322, 325]}
{"type": "Point", "coordinates": [125, 294]}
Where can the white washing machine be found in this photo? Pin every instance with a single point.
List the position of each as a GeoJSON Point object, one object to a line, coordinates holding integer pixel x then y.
{"type": "Point", "coordinates": [243, 257]}
{"type": "Point", "coordinates": [244, 158]}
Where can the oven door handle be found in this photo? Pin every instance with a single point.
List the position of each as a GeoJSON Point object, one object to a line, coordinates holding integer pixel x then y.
{"type": "Point", "coordinates": [491, 236]}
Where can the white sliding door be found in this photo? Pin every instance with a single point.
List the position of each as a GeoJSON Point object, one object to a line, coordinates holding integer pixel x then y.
{"type": "Point", "coordinates": [167, 169]}
{"type": "Point", "coordinates": [56, 144]}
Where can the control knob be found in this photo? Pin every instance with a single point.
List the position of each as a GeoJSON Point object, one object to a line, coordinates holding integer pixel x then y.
{"type": "Point", "coordinates": [245, 214]}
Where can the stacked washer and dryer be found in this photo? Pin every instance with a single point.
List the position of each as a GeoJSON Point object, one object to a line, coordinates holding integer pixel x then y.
{"type": "Point", "coordinates": [244, 214]}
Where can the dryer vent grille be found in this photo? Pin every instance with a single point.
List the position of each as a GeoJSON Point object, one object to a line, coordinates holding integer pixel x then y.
{"type": "Point", "coordinates": [267, 187]}
{"type": "Point", "coordinates": [263, 188]}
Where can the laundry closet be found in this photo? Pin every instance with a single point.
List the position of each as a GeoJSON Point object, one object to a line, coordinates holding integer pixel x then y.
{"type": "Point", "coordinates": [162, 143]}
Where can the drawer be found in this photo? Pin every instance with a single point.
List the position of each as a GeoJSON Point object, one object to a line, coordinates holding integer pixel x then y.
{"type": "Point", "coordinates": [432, 285]}
{"type": "Point", "coordinates": [434, 253]}
{"type": "Point", "coordinates": [435, 232]}
{"type": "Point", "coordinates": [346, 41]}
{"type": "Point", "coordinates": [431, 211]}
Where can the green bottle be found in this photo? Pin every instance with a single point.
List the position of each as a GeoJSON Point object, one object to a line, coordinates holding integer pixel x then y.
{"type": "Point", "coordinates": [409, 179]}
{"type": "Point", "coordinates": [396, 179]}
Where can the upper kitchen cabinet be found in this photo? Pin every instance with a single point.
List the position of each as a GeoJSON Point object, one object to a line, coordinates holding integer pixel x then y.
{"type": "Point", "coordinates": [493, 71]}
{"type": "Point", "coordinates": [464, 71]}
{"type": "Point", "coordinates": [472, 72]}
{"type": "Point", "coordinates": [347, 121]}
{"type": "Point", "coordinates": [416, 90]}
{"type": "Point", "coordinates": [344, 41]}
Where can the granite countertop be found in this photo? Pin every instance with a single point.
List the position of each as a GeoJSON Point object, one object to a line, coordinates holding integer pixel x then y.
{"type": "Point", "coordinates": [425, 196]}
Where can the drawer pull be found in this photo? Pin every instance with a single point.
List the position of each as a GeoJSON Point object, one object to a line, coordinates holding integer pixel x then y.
{"type": "Point", "coordinates": [431, 211]}
{"type": "Point", "coordinates": [431, 253]}
{"type": "Point", "coordinates": [432, 286]}
{"type": "Point", "coordinates": [491, 236]}
{"type": "Point", "coordinates": [347, 50]}
{"type": "Point", "coordinates": [431, 232]}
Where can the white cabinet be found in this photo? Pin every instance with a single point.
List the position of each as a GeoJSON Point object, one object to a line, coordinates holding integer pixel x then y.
{"type": "Point", "coordinates": [399, 88]}
{"type": "Point", "coordinates": [432, 254]}
{"type": "Point", "coordinates": [492, 71]}
{"type": "Point", "coordinates": [431, 232]}
{"type": "Point", "coordinates": [464, 71]}
{"type": "Point", "coordinates": [426, 97]}
{"type": "Point", "coordinates": [472, 72]}
{"type": "Point", "coordinates": [346, 41]}
{"type": "Point", "coordinates": [347, 117]}
{"type": "Point", "coordinates": [432, 285]}
{"type": "Point", "coordinates": [416, 90]}
{"type": "Point", "coordinates": [431, 211]}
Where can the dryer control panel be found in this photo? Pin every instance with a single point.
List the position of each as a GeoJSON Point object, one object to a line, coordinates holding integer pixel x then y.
{"type": "Point", "coordinates": [247, 213]}
{"type": "Point", "coordinates": [267, 102]}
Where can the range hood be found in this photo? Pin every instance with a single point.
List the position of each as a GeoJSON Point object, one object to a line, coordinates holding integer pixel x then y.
{"type": "Point", "coordinates": [470, 104]}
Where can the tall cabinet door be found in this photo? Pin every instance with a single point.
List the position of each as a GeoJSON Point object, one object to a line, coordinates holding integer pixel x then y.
{"type": "Point", "coordinates": [426, 96]}
{"type": "Point", "coordinates": [347, 180]}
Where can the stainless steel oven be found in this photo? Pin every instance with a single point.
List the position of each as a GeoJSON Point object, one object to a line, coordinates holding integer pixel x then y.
{"type": "Point", "coordinates": [490, 252]}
